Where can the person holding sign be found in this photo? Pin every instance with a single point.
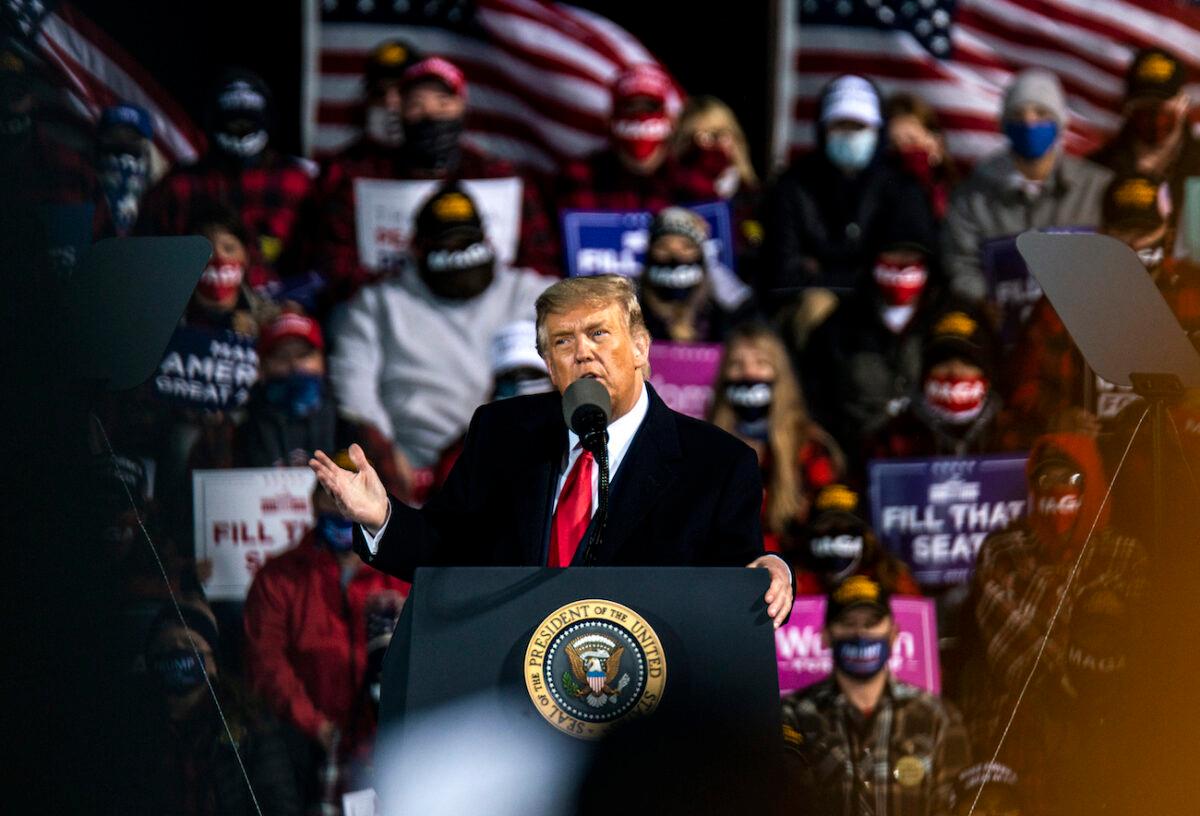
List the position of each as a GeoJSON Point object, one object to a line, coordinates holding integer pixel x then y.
{"type": "Point", "coordinates": [676, 293]}
{"type": "Point", "coordinates": [433, 97]}
{"type": "Point", "coordinates": [861, 741]}
{"type": "Point", "coordinates": [757, 399]}
{"type": "Point", "coordinates": [411, 353]}
{"type": "Point", "coordinates": [523, 492]}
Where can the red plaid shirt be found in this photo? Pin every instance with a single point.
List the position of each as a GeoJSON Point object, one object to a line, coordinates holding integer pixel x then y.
{"type": "Point", "coordinates": [268, 197]}
{"type": "Point", "coordinates": [1046, 374]}
{"type": "Point", "coordinates": [334, 248]}
{"type": "Point", "coordinates": [601, 182]}
{"type": "Point", "coordinates": [1018, 587]}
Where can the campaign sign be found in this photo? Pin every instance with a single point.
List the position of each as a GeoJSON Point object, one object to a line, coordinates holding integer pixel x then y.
{"type": "Point", "coordinates": [1011, 285]}
{"type": "Point", "coordinates": [802, 660]}
{"type": "Point", "coordinates": [243, 516]}
{"type": "Point", "coordinates": [683, 375]}
{"type": "Point", "coordinates": [206, 369]}
{"type": "Point", "coordinates": [608, 242]}
{"type": "Point", "coordinates": [935, 513]}
{"type": "Point", "coordinates": [384, 212]}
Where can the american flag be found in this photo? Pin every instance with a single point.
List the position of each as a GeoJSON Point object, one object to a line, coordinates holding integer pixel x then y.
{"type": "Point", "coordinates": [87, 72]}
{"type": "Point", "coordinates": [958, 55]}
{"type": "Point", "coordinates": [538, 72]}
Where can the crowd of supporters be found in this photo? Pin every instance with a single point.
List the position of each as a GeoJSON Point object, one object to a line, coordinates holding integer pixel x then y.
{"type": "Point", "coordinates": [860, 322]}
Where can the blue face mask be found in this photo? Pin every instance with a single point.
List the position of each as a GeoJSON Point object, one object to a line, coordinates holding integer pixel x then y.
{"type": "Point", "coordinates": [123, 178]}
{"type": "Point", "coordinates": [299, 395]}
{"type": "Point", "coordinates": [1031, 141]}
{"type": "Point", "coordinates": [861, 658]}
{"type": "Point", "coordinates": [337, 532]}
{"type": "Point", "coordinates": [178, 671]}
{"type": "Point", "coordinates": [851, 151]}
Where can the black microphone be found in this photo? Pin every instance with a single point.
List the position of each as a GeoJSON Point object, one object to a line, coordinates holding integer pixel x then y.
{"type": "Point", "coordinates": [586, 409]}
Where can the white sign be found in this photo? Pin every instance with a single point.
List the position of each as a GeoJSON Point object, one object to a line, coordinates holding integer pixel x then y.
{"type": "Point", "coordinates": [244, 516]}
{"type": "Point", "coordinates": [384, 212]}
{"type": "Point", "coordinates": [360, 803]}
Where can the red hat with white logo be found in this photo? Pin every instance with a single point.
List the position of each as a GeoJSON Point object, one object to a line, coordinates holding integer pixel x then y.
{"type": "Point", "coordinates": [290, 324]}
{"type": "Point", "coordinates": [438, 69]}
{"type": "Point", "coordinates": [648, 79]}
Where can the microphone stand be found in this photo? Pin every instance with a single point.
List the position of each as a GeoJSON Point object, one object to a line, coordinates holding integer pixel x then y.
{"type": "Point", "coordinates": [597, 443]}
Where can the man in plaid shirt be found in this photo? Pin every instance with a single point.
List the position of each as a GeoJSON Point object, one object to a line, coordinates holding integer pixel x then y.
{"type": "Point", "coordinates": [1021, 575]}
{"type": "Point", "coordinates": [1048, 377]}
{"type": "Point", "coordinates": [241, 171]}
{"type": "Point", "coordinates": [861, 743]}
{"type": "Point", "coordinates": [432, 95]}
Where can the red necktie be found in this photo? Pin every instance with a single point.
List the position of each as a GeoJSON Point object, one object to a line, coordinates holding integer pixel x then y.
{"type": "Point", "coordinates": [573, 513]}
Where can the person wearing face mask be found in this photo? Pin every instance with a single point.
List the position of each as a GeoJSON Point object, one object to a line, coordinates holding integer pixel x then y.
{"type": "Point", "coordinates": [710, 161]}
{"type": "Point", "coordinates": [1155, 140]}
{"type": "Point", "coordinates": [633, 172]}
{"type": "Point", "coordinates": [241, 170]}
{"type": "Point", "coordinates": [826, 212]}
{"type": "Point", "coordinates": [757, 399]}
{"type": "Point", "coordinates": [1049, 384]}
{"type": "Point", "coordinates": [123, 168]}
{"type": "Point", "coordinates": [838, 542]}
{"type": "Point", "coordinates": [306, 625]}
{"type": "Point", "coordinates": [955, 410]}
{"type": "Point", "coordinates": [223, 298]}
{"type": "Point", "coordinates": [862, 364]}
{"type": "Point", "coordinates": [678, 299]}
{"type": "Point", "coordinates": [919, 146]}
{"type": "Point", "coordinates": [433, 98]}
{"type": "Point", "coordinates": [1036, 569]}
{"type": "Point", "coordinates": [187, 759]}
{"type": "Point", "coordinates": [1031, 184]}
{"type": "Point", "coordinates": [861, 741]}
{"type": "Point", "coordinates": [410, 353]}
{"type": "Point", "coordinates": [291, 412]}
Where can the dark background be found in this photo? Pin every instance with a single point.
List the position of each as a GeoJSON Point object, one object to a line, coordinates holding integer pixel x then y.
{"type": "Point", "coordinates": [722, 49]}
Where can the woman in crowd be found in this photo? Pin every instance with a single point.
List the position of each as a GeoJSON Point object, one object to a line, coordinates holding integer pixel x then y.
{"type": "Point", "coordinates": [757, 398]}
{"type": "Point", "coordinates": [915, 135]}
{"type": "Point", "coordinates": [712, 163]}
{"type": "Point", "coordinates": [193, 754]}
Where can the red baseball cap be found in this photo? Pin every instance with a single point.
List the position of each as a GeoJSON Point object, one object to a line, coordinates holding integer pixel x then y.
{"type": "Point", "coordinates": [648, 79]}
{"type": "Point", "coordinates": [436, 68]}
{"type": "Point", "coordinates": [290, 324]}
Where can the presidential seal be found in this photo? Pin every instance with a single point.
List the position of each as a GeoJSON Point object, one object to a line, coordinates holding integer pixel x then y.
{"type": "Point", "coordinates": [593, 663]}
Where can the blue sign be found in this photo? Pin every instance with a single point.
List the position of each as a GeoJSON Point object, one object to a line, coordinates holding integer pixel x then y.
{"type": "Point", "coordinates": [606, 242]}
{"type": "Point", "coordinates": [1011, 286]}
{"type": "Point", "coordinates": [207, 370]}
{"type": "Point", "coordinates": [935, 513]}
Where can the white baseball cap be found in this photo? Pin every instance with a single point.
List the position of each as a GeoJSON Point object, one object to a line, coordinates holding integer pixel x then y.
{"type": "Point", "coordinates": [852, 97]}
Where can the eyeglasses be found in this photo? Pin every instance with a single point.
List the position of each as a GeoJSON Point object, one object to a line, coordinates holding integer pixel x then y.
{"type": "Point", "coordinates": [1055, 474]}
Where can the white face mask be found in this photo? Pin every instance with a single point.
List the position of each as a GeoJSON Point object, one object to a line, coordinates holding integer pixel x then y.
{"type": "Point", "coordinates": [384, 126]}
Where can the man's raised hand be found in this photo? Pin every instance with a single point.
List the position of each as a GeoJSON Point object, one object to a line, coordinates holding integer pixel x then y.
{"type": "Point", "coordinates": [360, 496]}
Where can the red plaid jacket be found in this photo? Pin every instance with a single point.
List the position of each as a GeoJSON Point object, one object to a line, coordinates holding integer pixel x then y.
{"type": "Point", "coordinates": [601, 182]}
{"type": "Point", "coordinates": [1046, 374]}
{"type": "Point", "coordinates": [269, 198]}
{"type": "Point", "coordinates": [334, 249]}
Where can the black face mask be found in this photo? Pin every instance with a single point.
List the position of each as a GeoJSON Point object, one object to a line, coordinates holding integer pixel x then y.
{"type": "Point", "coordinates": [459, 274]}
{"type": "Point", "coordinates": [750, 399]}
{"type": "Point", "coordinates": [433, 144]}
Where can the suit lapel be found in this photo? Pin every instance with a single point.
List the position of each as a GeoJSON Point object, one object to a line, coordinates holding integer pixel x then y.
{"type": "Point", "coordinates": [534, 486]}
{"type": "Point", "coordinates": [650, 465]}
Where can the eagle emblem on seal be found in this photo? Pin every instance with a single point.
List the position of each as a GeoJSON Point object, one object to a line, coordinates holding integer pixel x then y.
{"type": "Point", "coordinates": [595, 664]}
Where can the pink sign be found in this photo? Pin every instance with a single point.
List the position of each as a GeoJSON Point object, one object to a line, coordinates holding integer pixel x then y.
{"type": "Point", "coordinates": [803, 661]}
{"type": "Point", "coordinates": [683, 374]}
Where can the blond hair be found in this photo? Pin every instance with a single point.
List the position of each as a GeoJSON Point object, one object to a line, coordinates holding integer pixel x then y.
{"type": "Point", "coordinates": [599, 291]}
{"type": "Point", "coordinates": [710, 111]}
{"type": "Point", "coordinates": [789, 427]}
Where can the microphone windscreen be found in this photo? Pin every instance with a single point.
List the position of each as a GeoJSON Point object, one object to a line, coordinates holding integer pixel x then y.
{"type": "Point", "coordinates": [586, 392]}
